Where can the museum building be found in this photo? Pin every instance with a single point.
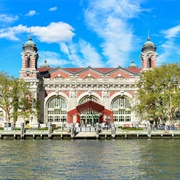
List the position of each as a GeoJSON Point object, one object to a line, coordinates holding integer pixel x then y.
{"type": "Point", "coordinates": [84, 95]}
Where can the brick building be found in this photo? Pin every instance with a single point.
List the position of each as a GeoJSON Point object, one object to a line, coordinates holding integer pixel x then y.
{"type": "Point", "coordinates": [84, 95]}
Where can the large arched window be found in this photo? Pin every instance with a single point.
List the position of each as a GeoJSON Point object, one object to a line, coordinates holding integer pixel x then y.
{"type": "Point", "coordinates": [121, 109]}
{"type": "Point", "coordinates": [57, 110]}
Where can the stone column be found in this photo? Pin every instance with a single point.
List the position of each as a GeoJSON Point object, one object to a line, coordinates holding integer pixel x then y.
{"type": "Point", "coordinates": [97, 130]}
{"type": "Point", "coordinates": [72, 130]}
{"type": "Point", "coordinates": [149, 129]}
{"type": "Point", "coordinates": [50, 130]}
{"type": "Point", "coordinates": [113, 130]}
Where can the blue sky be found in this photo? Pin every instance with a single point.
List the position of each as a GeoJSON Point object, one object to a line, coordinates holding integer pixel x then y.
{"type": "Point", "coordinates": [81, 33]}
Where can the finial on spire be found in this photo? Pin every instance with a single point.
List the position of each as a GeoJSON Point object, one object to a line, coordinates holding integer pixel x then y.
{"type": "Point", "coordinates": [148, 36]}
{"type": "Point", "coordinates": [133, 59]}
{"type": "Point", "coordinates": [45, 59]}
{"type": "Point", "coordinates": [30, 37]}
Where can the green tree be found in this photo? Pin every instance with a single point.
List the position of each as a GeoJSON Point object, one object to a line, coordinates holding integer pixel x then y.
{"type": "Point", "coordinates": [24, 104]}
{"type": "Point", "coordinates": [158, 93]}
{"type": "Point", "coordinates": [5, 95]}
{"type": "Point", "coordinates": [16, 98]}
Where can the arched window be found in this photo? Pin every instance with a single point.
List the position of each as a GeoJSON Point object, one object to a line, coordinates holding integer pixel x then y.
{"type": "Point", "coordinates": [87, 98]}
{"type": "Point", "coordinates": [149, 63]}
{"type": "Point", "coordinates": [57, 110]}
{"type": "Point", "coordinates": [28, 62]}
{"type": "Point", "coordinates": [121, 109]}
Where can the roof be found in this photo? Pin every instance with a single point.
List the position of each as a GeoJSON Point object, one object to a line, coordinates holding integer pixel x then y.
{"type": "Point", "coordinates": [90, 104]}
{"type": "Point", "coordinates": [134, 70]}
{"type": "Point", "coordinates": [44, 69]}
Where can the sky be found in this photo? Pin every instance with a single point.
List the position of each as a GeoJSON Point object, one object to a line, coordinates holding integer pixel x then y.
{"type": "Point", "coordinates": [82, 33]}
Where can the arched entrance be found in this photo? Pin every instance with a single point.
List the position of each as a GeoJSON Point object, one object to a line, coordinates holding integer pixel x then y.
{"type": "Point", "coordinates": [89, 117]}
{"type": "Point", "coordinates": [90, 113]}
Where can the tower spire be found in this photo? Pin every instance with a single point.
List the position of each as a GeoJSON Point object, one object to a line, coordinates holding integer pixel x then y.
{"type": "Point", "coordinates": [148, 38]}
{"type": "Point", "coordinates": [45, 59]}
{"type": "Point", "coordinates": [30, 37]}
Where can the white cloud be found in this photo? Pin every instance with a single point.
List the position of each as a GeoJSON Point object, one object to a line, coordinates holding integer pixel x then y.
{"type": "Point", "coordinates": [53, 33]}
{"type": "Point", "coordinates": [64, 48]}
{"type": "Point", "coordinates": [172, 32]}
{"type": "Point", "coordinates": [52, 58]}
{"type": "Point", "coordinates": [7, 18]}
{"type": "Point", "coordinates": [91, 57]}
{"type": "Point", "coordinates": [83, 54]}
{"type": "Point", "coordinates": [10, 33]}
{"type": "Point", "coordinates": [109, 19]}
{"type": "Point", "coordinates": [53, 9]}
{"type": "Point", "coordinates": [169, 47]}
{"type": "Point", "coordinates": [31, 13]}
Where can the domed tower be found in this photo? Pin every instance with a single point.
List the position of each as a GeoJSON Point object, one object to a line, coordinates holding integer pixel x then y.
{"type": "Point", "coordinates": [45, 64]}
{"type": "Point", "coordinates": [29, 60]}
{"type": "Point", "coordinates": [148, 54]}
{"type": "Point", "coordinates": [30, 73]}
{"type": "Point", "coordinates": [133, 65]}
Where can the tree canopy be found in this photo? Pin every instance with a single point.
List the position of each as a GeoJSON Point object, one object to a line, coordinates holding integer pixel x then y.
{"type": "Point", "coordinates": [16, 98]}
{"type": "Point", "coordinates": [158, 93]}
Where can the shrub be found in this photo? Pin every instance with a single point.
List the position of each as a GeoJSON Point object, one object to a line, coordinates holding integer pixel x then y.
{"type": "Point", "coordinates": [16, 128]}
{"type": "Point", "coordinates": [130, 128]}
{"type": "Point", "coordinates": [43, 128]}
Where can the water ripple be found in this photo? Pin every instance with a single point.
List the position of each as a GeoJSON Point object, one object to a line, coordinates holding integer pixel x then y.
{"type": "Point", "coordinates": [90, 159]}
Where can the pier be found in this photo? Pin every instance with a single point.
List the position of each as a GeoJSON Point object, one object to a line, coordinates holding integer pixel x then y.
{"type": "Point", "coordinates": [36, 134]}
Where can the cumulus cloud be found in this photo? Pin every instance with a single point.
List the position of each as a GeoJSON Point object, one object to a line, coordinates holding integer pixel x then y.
{"type": "Point", "coordinates": [31, 13]}
{"type": "Point", "coordinates": [53, 9]}
{"type": "Point", "coordinates": [109, 19]}
{"type": "Point", "coordinates": [169, 47]}
{"type": "Point", "coordinates": [10, 33]}
{"type": "Point", "coordinates": [53, 33]}
{"type": "Point", "coordinates": [7, 18]}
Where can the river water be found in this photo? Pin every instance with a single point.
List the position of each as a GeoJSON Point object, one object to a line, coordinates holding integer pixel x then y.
{"type": "Point", "coordinates": [90, 159]}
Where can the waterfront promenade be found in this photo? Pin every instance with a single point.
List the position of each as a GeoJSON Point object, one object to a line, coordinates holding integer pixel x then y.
{"type": "Point", "coordinates": [104, 134]}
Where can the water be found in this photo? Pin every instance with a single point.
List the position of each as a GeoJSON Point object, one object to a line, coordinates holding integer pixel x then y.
{"type": "Point", "coordinates": [90, 159]}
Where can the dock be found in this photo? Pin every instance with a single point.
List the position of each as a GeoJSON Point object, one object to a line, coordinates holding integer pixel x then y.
{"type": "Point", "coordinates": [89, 135]}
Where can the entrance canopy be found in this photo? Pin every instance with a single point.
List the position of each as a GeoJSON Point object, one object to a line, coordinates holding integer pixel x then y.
{"type": "Point", "coordinates": [90, 105]}
{"type": "Point", "coordinates": [73, 116]}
